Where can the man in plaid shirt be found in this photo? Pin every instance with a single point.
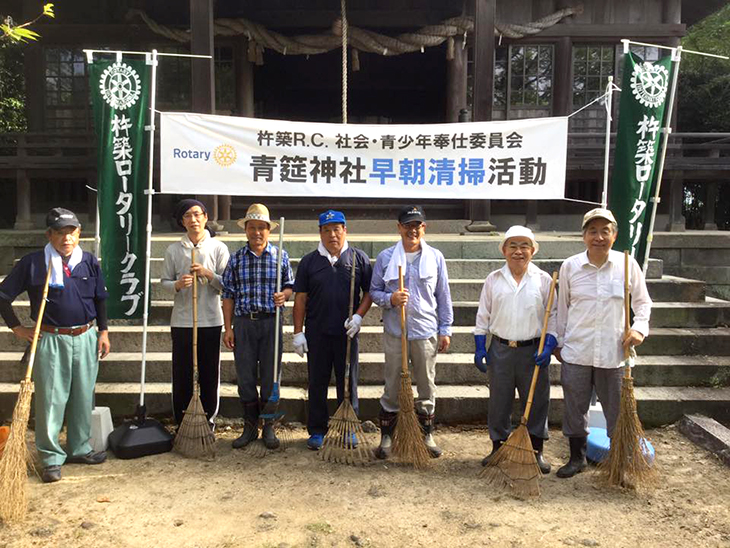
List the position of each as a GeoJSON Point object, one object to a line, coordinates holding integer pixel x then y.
{"type": "Point", "coordinates": [249, 316]}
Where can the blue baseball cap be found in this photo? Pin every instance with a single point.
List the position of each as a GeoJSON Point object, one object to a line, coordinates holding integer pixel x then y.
{"type": "Point", "coordinates": [331, 216]}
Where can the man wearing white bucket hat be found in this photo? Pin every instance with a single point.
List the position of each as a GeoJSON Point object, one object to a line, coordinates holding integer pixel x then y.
{"type": "Point", "coordinates": [249, 316]}
{"type": "Point", "coordinates": [512, 308]}
{"type": "Point", "coordinates": [590, 330]}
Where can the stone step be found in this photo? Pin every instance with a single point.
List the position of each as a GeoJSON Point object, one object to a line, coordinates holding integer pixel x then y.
{"type": "Point", "coordinates": [455, 404]}
{"type": "Point", "coordinates": [709, 313]}
{"type": "Point", "coordinates": [464, 268]}
{"type": "Point", "coordinates": [124, 367]}
{"type": "Point", "coordinates": [664, 341]}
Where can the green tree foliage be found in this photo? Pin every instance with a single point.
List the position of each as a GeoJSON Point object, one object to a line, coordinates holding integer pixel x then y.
{"type": "Point", "coordinates": [12, 88]}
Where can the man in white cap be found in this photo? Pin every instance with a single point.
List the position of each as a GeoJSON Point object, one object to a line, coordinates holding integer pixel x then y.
{"type": "Point", "coordinates": [512, 309]}
{"type": "Point", "coordinates": [249, 318]}
{"type": "Point", "coordinates": [590, 330]}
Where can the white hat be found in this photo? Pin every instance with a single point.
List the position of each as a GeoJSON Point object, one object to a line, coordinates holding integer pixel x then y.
{"type": "Point", "coordinates": [517, 230]}
{"type": "Point", "coordinates": [598, 213]}
{"type": "Point", "coordinates": [257, 212]}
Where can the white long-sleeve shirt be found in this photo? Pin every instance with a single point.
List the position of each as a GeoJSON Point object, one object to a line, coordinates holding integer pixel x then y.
{"type": "Point", "coordinates": [213, 255]}
{"type": "Point", "coordinates": [515, 311]}
{"type": "Point", "coordinates": [591, 309]}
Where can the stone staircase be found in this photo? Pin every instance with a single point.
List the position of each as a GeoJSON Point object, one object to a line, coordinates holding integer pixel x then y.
{"type": "Point", "coordinates": [683, 367]}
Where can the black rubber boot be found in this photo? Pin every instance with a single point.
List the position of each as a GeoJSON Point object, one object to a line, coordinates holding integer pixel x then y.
{"type": "Point", "coordinates": [496, 444]}
{"type": "Point", "coordinates": [427, 425]}
{"type": "Point", "coordinates": [251, 426]}
{"type": "Point", "coordinates": [577, 462]}
{"type": "Point", "coordinates": [537, 444]}
{"type": "Point", "coordinates": [269, 435]}
{"type": "Point", "coordinates": [387, 427]}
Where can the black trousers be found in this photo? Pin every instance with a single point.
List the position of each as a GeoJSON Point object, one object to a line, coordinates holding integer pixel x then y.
{"type": "Point", "coordinates": [325, 353]}
{"type": "Point", "coordinates": [209, 354]}
{"type": "Point", "coordinates": [254, 355]}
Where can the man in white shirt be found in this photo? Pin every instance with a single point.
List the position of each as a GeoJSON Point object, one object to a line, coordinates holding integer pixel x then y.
{"type": "Point", "coordinates": [590, 327]}
{"type": "Point", "coordinates": [512, 308]}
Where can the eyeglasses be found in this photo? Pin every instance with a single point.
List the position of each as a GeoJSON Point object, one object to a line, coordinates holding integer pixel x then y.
{"type": "Point", "coordinates": [196, 214]}
{"type": "Point", "coordinates": [521, 247]}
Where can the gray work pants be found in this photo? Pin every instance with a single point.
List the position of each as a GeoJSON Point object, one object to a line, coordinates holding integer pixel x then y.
{"type": "Point", "coordinates": [511, 368]}
{"type": "Point", "coordinates": [422, 356]}
{"type": "Point", "coordinates": [578, 382]}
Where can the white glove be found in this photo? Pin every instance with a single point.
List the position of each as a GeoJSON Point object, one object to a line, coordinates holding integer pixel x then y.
{"type": "Point", "coordinates": [300, 344]}
{"type": "Point", "coordinates": [353, 325]}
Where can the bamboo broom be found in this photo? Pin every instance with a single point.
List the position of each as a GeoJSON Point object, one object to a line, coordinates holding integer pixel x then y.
{"type": "Point", "coordinates": [194, 438]}
{"type": "Point", "coordinates": [15, 457]}
{"type": "Point", "coordinates": [345, 441]}
{"type": "Point", "coordinates": [408, 444]}
{"type": "Point", "coordinates": [514, 465]}
{"type": "Point", "coordinates": [627, 464]}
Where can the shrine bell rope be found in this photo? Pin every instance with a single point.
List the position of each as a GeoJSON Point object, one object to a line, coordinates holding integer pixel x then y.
{"type": "Point", "coordinates": [261, 38]}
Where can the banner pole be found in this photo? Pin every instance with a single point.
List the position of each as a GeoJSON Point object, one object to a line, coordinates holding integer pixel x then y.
{"type": "Point", "coordinates": [609, 106]}
{"type": "Point", "coordinates": [676, 59]}
{"type": "Point", "coordinates": [151, 60]}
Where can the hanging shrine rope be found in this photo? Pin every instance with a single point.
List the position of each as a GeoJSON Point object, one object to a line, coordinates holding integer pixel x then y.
{"type": "Point", "coordinates": [358, 39]}
{"type": "Point", "coordinates": [343, 10]}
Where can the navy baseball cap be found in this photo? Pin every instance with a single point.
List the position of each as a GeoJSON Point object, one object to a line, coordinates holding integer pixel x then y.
{"type": "Point", "coordinates": [411, 213]}
{"type": "Point", "coordinates": [59, 218]}
{"type": "Point", "coordinates": [331, 216]}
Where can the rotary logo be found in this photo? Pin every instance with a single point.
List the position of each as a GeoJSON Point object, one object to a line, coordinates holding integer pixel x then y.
{"type": "Point", "coordinates": [224, 155]}
{"type": "Point", "coordinates": [120, 86]}
{"type": "Point", "coordinates": [649, 84]}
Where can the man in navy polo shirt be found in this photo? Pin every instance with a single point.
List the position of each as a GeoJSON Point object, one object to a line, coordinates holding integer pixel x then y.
{"type": "Point", "coordinates": [68, 352]}
{"type": "Point", "coordinates": [322, 288]}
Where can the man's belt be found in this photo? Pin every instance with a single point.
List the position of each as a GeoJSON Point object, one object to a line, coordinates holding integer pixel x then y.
{"type": "Point", "coordinates": [518, 344]}
{"type": "Point", "coordinates": [73, 331]}
{"type": "Point", "coordinates": [257, 315]}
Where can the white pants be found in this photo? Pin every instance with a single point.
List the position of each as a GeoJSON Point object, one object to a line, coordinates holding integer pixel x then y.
{"type": "Point", "coordinates": [422, 357]}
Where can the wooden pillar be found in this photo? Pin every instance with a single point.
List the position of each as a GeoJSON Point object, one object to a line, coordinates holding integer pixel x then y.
{"type": "Point", "coordinates": [711, 189]}
{"type": "Point", "coordinates": [484, 16]}
{"type": "Point", "coordinates": [456, 74]}
{"type": "Point", "coordinates": [672, 13]}
{"type": "Point", "coordinates": [203, 77]}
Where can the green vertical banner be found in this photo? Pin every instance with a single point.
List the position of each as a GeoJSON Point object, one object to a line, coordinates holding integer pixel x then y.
{"type": "Point", "coordinates": [644, 96]}
{"type": "Point", "coordinates": [120, 98]}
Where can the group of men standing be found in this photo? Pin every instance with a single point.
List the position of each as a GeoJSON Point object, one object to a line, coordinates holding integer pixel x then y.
{"type": "Point", "coordinates": [584, 328]}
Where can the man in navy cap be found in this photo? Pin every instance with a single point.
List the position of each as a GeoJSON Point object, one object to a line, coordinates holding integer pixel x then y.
{"type": "Point", "coordinates": [68, 352]}
{"type": "Point", "coordinates": [322, 288]}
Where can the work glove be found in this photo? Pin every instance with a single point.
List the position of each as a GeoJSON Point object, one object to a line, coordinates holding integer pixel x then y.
{"type": "Point", "coordinates": [543, 360]}
{"type": "Point", "coordinates": [300, 344]}
{"type": "Point", "coordinates": [480, 354]}
{"type": "Point", "coordinates": [353, 325]}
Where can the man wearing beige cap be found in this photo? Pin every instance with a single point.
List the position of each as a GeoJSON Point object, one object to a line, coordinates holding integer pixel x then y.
{"type": "Point", "coordinates": [590, 330]}
{"type": "Point", "coordinates": [512, 308]}
{"type": "Point", "coordinates": [249, 317]}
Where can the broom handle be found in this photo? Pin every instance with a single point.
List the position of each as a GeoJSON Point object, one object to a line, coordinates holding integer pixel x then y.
{"type": "Point", "coordinates": [195, 322]}
{"type": "Point", "coordinates": [403, 338]}
{"type": "Point", "coordinates": [627, 312]}
{"type": "Point", "coordinates": [536, 371]}
{"type": "Point", "coordinates": [37, 330]}
{"type": "Point", "coordinates": [349, 340]}
{"type": "Point", "coordinates": [279, 260]}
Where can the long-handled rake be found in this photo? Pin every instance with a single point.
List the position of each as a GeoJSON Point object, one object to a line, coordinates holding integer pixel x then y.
{"type": "Point", "coordinates": [345, 441]}
{"type": "Point", "coordinates": [514, 465]}
{"type": "Point", "coordinates": [194, 438]}
{"type": "Point", "coordinates": [627, 464]}
{"type": "Point", "coordinates": [408, 443]}
{"type": "Point", "coordinates": [271, 411]}
{"type": "Point", "coordinates": [15, 457]}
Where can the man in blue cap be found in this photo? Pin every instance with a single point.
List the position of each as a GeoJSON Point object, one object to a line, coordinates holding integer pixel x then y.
{"type": "Point", "coordinates": [322, 301]}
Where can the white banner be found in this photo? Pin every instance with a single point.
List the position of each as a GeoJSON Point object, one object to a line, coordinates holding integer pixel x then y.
{"type": "Point", "coordinates": [510, 160]}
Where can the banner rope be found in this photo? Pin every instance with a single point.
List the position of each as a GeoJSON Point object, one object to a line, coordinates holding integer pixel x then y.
{"type": "Point", "coordinates": [614, 87]}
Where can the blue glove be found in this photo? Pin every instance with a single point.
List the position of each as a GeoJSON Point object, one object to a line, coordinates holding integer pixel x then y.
{"type": "Point", "coordinates": [543, 360]}
{"type": "Point", "coordinates": [480, 355]}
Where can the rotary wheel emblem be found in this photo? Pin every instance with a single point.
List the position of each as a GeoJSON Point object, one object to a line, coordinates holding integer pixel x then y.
{"type": "Point", "coordinates": [120, 86]}
{"type": "Point", "coordinates": [649, 84]}
{"type": "Point", "coordinates": [224, 155]}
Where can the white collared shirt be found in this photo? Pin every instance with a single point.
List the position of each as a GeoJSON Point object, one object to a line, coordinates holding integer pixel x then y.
{"type": "Point", "coordinates": [591, 309]}
{"type": "Point", "coordinates": [515, 311]}
{"type": "Point", "coordinates": [326, 254]}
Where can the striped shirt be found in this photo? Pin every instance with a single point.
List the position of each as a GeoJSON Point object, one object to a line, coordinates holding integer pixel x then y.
{"type": "Point", "coordinates": [250, 280]}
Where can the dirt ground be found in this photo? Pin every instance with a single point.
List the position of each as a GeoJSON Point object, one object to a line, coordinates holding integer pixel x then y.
{"type": "Point", "coordinates": [292, 498]}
